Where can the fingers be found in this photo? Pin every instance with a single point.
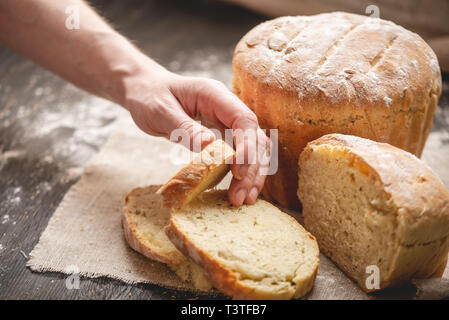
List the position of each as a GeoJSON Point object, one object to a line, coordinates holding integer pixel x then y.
{"type": "Point", "coordinates": [256, 188]}
{"type": "Point", "coordinates": [247, 189]}
{"type": "Point", "coordinates": [249, 178]}
{"type": "Point", "coordinates": [239, 189]}
{"type": "Point", "coordinates": [181, 125]}
{"type": "Point", "coordinates": [239, 171]}
{"type": "Point", "coordinates": [213, 102]}
{"type": "Point", "coordinates": [245, 152]}
{"type": "Point", "coordinates": [216, 102]}
{"type": "Point", "coordinates": [198, 136]}
{"type": "Point", "coordinates": [162, 115]}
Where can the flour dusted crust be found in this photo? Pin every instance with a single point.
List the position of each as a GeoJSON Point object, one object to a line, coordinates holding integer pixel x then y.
{"type": "Point", "coordinates": [412, 203]}
{"type": "Point", "coordinates": [205, 171]}
{"type": "Point", "coordinates": [336, 72]}
{"type": "Point", "coordinates": [225, 242]}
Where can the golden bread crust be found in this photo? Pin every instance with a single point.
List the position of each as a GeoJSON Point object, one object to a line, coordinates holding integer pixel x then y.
{"type": "Point", "coordinates": [227, 280]}
{"type": "Point", "coordinates": [152, 248]}
{"type": "Point", "coordinates": [336, 72]}
{"type": "Point", "coordinates": [203, 172]}
{"type": "Point", "coordinates": [418, 202]}
{"type": "Point", "coordinates": [132, 236]}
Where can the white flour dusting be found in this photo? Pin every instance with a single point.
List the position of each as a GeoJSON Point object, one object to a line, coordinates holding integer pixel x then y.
{"type": "Point", "coordinates": [15, 201]}
{"type": "Point", "coordinates": [5, 218]}
{"type": "Point", "coordinates": [45, 186]}
{"type": "Point", "coordinates": [13, 198]}
{"type": "Point", "coordinates": [59, 139]}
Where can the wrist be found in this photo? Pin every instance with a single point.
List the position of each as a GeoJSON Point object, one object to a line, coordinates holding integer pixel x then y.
{"type": "Point", "coordinates": [127, 67]}
{"type": "Point", "coordinates": [140, 80]}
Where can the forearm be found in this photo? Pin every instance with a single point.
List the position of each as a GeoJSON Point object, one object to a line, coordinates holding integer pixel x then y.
{"type": "Point", "coordinates": [101, 61]}
{"type": "Point", "coordinates": [94, 57]}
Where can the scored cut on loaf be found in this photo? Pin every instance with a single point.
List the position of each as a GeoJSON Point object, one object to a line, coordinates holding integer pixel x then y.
{"type": "Point", "coordinates": [335, 73]}
{"type": "Point", "coordinates": [251, 252]}
{"type": "Point", "coordinates": [205, 171]}
{"type": "Point", "coordinates": [372, 204]}
{"type": "Point", "coordinates": [143, 222]}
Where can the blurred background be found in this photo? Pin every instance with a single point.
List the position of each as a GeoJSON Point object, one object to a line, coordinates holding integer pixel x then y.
{"type": "Point", "coordinates": [49, 129]}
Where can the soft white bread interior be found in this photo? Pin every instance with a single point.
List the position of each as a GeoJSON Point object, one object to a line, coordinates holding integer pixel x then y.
{"type": "Point", "coordinates": [205, 171]}
{"type": "Point", "coordinates": [143, 223]}
{"type": "Point", "coordinates": [250, 252]}
{"type": "Point", "coordinates": [372, 204]}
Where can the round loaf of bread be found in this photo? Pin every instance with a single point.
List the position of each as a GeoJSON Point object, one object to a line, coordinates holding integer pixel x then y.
{"type": "Point", "coordinates": [335, 73]}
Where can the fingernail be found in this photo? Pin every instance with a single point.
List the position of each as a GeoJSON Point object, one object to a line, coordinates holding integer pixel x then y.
{"type": "Point", "coordinates": [242, 171]}
{"type": "Point", "coordinates": [240, 196]}
{"type": "Point", "coordinates": [252, 196]}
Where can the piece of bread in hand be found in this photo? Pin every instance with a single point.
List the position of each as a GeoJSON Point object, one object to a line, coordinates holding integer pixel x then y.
{"type": "Point", "coordinates": [205, 171]}
{"type": "Point", "coordinates": [143, 223]}
{"type": "Point", "coordinates": [251, 252]}
{"type": "Point", "coordinates": [373, 205]}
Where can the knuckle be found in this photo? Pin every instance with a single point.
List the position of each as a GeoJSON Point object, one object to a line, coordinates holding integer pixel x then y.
{"type": "Point", "coordinates": [187, 125]}
{"type": "Point", "coordinates": [251, 174]}
{"type": "Point", "coordinates": [259, 182]}
{"type": "Point", "coordinates": [216, 84]}
{"type": "Point", "coordinates": [203, 83]}
{"type": "Point", "coordinates": [244, 119]}
{"type": "Point", "coordinates": [206, 90]}
{"type": "Point", "coordinates": [250, 116]}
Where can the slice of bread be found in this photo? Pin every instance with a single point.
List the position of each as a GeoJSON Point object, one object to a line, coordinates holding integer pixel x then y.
{"type": "Point", "coordinates": [143, 223]}
{"type": "Point", "coordinates": [250, 252]}
{"type": "Point", "coordinates": [205, 171]}
{"type": "Point", "coordinates": [377, 211]}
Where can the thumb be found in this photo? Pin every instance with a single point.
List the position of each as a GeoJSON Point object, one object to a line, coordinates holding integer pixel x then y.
{"type": "Point", "coordinates": [192, 133]}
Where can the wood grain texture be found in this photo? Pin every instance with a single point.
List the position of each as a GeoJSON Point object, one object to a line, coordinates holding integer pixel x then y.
{"type": "Point", "coordinates": [49, 130]}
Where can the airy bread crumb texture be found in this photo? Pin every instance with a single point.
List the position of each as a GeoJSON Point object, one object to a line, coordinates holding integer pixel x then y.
{"type": "Point", "coordinates": [143, 221]}
{"type": "Point", "coordinates": [371, 204]}
{"type": "Point", "coordinates": [250, 252]}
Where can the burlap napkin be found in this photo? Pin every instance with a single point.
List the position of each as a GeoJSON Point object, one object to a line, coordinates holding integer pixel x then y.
{"type": "Point", "coordinates": [85, 233]}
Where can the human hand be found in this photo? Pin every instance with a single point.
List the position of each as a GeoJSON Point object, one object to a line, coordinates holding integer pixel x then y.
{"type": "Point", "coordinates": [162, 101]}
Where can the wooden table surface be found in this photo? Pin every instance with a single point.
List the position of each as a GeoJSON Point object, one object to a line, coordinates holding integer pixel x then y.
{"type": "Point", "coordinates": [50, 129]}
